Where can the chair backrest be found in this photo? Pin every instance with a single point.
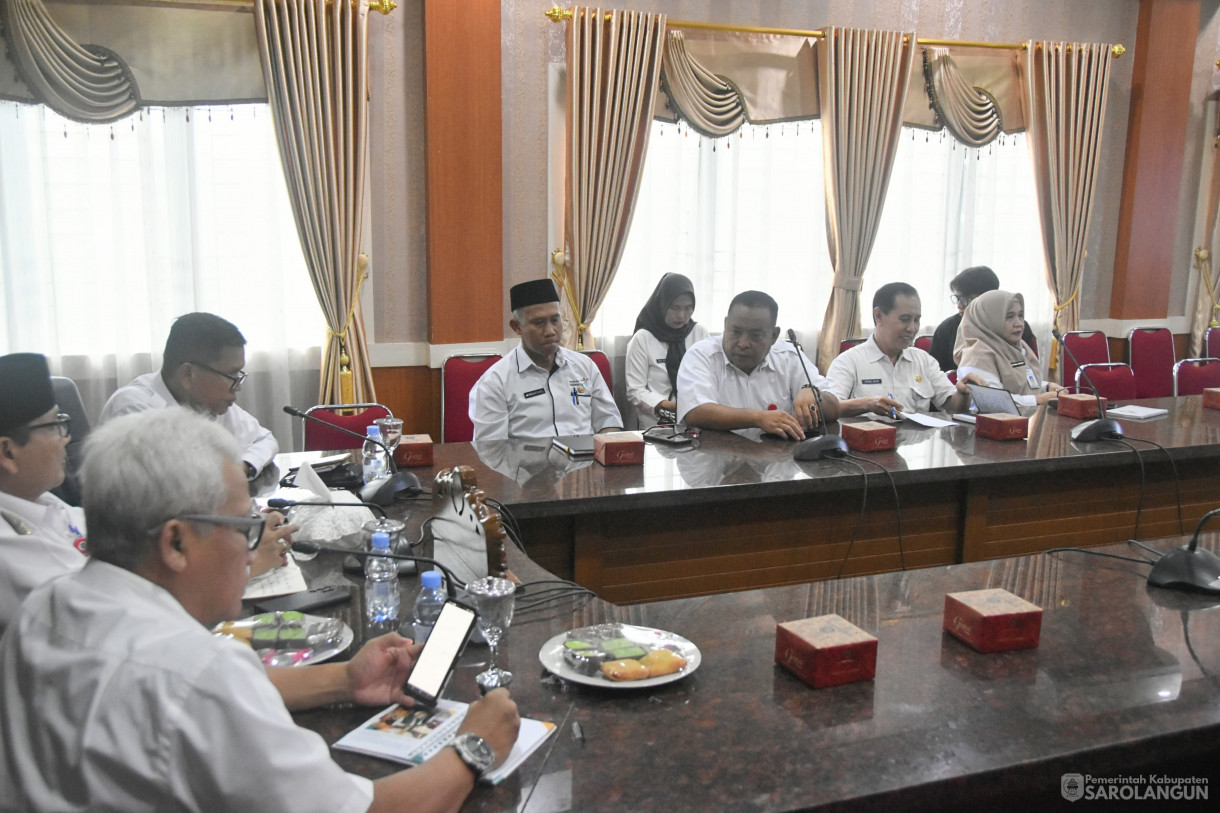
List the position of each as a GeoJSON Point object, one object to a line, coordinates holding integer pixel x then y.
{"type": "Point", "coordinates": [1192, 376]}
{"type": "Point", "coordinates": [1114, 380]}
{"type": "Point", "coordinates": [1033, 343]}
{"type": "Point", "coordinates": [924, 342]}
{"type": "Point", "coordinates": [848, 344]}
{"type": "Point", "coordinates": [458, 376]}
{"type": "Point", "coordinates": [320, 438]}
{"type": "Point", "coordinates": [1211, 343]}
{"type": "Point", "coordinates": [603, 363]}
{"type": "Point", "coordinates": [1089, 347]}
{"type": "Point", "coordinates": [1151, 356]}
{"type": "Point", "coordinates": [67, 396]}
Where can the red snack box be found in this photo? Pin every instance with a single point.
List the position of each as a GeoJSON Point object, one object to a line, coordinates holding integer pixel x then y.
{"type": "Point", "coordinates": [826, 651]}
{"type": "Point", "coordinates": [1078, 405]}
{"type": "Point", "coordinates": [1211, 397]}
{"type": "Point", "coordinates": [414, 450]}
{"type": "Point", "coordinates": [619, 448]}
{"type": "Point", "coordinates": [868, 436]}
{"type": "Point", "coordinates": [1001, 426]}
{"type": "Point", "coordinates": [992, 620]}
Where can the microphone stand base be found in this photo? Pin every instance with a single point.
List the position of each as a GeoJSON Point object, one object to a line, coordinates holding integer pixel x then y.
{"type": "Point", "coordinates": [1184, 569]}
{"type": "Point", "coordinates": [1100, 429]}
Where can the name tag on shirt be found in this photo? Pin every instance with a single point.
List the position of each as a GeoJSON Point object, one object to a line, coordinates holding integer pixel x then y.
{"type": "Point", "coordinates": [660, 361]}
{"type": "Point", "coordinates": [579, 386]}
{"type": "Point", "coordinates": [1017, 364]}
{"type": "Point", "coordinates": [868, 381]}
{"type": "Point", "coordinates": [532, 393]}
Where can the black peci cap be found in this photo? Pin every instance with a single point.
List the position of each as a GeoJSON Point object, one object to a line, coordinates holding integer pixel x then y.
{"type": "Point", "coordinates": [25, 390]}
{"type": "Point", "coordinates": [534, 292]}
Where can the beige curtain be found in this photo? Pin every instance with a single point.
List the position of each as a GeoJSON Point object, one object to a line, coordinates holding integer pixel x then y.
{"type": "Point", "coordinates": [315, 63]}
{"type": "Point", "coordinates": [1208, 240]}
{"type": "Point", "coordinates": [86, 83]}
{"type": "Point", "coordinates": [1067, 86]}
{"type": "Point", "coordinates": [711, 105]}
{"type": "Point", "coordinates": [970, 113]}
{"type": "Point", "coordinates": [862, 81]}
{"type": "Point", "coordinates": [614, 67]}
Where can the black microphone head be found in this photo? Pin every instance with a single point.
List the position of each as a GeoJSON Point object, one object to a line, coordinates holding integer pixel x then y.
{"type": "Point", "coordinates": [792, 335]}
{"type": "Point", "coordinates": [293, 411]}
{"type": "Point", "coordinates": [1058, 336]}
{"type": "Point", "coordinates": [305, 547]}
{"type": "Point", "coordinates": [279, 502]}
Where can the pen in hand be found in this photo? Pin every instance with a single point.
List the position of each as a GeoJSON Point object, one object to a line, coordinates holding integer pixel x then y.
{"type": "Point", "coordinates": [893, 412]}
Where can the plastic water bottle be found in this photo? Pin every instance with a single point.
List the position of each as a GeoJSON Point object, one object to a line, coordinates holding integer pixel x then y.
{"type": "Point", "coordinates": [380, 582]}
{"type": "Point", "coordinates": [428, 604]}
{"type": "Point", "coordinates": [376, 465]}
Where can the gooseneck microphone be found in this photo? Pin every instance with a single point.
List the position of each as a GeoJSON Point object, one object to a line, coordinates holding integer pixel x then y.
{"type": "Point", "coordinates": [296, 413]}
{"type": "Point", "coordinates": [827, 445]}
{"type": "Point", "coordinates": [1188, 567]}
{"type": "Point", "coordinates": [278, 503]}
{"type": "Point", "coordinates": [451, 581]}
{"type": "Point", "coordinates": [1101, 429]}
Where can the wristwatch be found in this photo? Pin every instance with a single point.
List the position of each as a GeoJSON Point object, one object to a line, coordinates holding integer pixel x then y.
{"type": "Point", "coordinates": [475, 752]}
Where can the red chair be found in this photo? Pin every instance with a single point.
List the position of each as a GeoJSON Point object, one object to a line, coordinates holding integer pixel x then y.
{"type": "Point", "coordinates": [458, 376]}
{"type": "Point", "coordinates": [1114, 381]}
{"type": "Point", "coordinates": [320, 438]}
{"type": "Point", "coordinates": [1089, 346]}
{"type": "Point", "coordinates": [848, 344]}
{"type": "Point", "coordinates": [924, 343]}
{"type": "Point", "coordinates": [1192, 376]}
{"type": "Point", "coordinates": [1151, 356]}
{"type": "Point", "coordinates": [603, 363]}
{"type": "Point", "coordinates": [1211, 343]}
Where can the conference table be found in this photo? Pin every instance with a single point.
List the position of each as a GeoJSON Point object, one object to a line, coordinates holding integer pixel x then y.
{"type": "Point", "coordinates": [1124, 683]}
{"type": "Point", "coordinates": [734, 511]}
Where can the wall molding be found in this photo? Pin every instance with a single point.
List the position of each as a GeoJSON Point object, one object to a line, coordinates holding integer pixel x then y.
{"type": "Point", "coordinates": [422, 354]}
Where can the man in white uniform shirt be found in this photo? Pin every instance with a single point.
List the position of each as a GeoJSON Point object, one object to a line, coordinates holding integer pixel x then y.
{"type": "Point", "coordinates": [745, 380]}
{"type": "Point", "coordinates": [116, 697]}
{"type": "Point", "coordinates": [540, 389]}
{"type": "Point", "coordinates": [41, 536]}
{"type": "Point", "coordinates": [887, 374]}
{"type": "Point", "coordinates": [201, 368]}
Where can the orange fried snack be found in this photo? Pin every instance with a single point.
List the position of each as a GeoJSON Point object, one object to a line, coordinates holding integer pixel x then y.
{"type": "Point", "coordinates": [625, 670]}
{"type": "Point", "coordinates": [663, 662]}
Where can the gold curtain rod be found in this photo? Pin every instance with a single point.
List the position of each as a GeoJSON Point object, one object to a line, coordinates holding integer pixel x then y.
{"type": "Point", "coordinates": [384, 6]}
{"type": "Point", "coordinates": [558, 14]}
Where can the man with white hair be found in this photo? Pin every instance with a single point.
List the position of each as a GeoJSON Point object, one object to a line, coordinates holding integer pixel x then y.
{"type": "Point", "coordinates": [116, 697]}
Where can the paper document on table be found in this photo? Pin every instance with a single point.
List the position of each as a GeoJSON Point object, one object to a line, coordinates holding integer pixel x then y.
{"type": "Point", "coordinates": [926, 420]}
{"type": "Point", "coordinates": [278, 581]}
{"type": "Point", "coordinates": [1135, 412]}
{"type": "Point", "coordinates": [412, 735]}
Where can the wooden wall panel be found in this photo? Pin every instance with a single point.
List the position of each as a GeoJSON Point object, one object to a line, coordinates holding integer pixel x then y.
{"type": "Point", "coordinates": [413, 394]}
{"type": "Point", "coordinates": [465, 172]}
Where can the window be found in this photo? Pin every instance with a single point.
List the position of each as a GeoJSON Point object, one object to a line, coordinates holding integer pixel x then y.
{"type": "Point", "coordinates": [747, 211]}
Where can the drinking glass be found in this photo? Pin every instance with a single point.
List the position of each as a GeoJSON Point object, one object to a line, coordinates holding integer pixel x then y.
{"type": "Point", "coordinates": [391, 432]}
{"type": "Point", "coordinates": [493, 600]}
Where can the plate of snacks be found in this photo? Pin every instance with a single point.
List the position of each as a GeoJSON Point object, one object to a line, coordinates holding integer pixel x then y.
{"type": "Point", "coordinates": [620, 656]}
{"type": "Point", "coordinates": [289, 638]}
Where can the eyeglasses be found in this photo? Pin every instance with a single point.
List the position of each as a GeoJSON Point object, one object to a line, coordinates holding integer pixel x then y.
{"type": "Point", "coordinates": [234, 379]}
{"type": "Point", "coordinates": [960, 299]}
{"type": "Point", "coordinates": [62, 424]}
{"type": "Point", "coordinates": [251, 526]}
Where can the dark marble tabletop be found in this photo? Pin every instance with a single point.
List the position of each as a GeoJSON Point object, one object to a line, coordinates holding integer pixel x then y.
{"type": "Point", "coordinates": [537, 480]}
{"type": "Point", "coordinates": [1126, 679]}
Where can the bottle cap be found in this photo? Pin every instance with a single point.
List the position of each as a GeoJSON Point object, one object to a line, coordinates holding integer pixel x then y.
{"type": "Point", "coordinates": [430, 579]}
{"type": "Point", "coordinates": [381, 541]}
{"type": "Point", "coordinates": [373, 430]}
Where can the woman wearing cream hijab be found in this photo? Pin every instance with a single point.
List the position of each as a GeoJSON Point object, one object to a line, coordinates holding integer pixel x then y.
{"type": "Point", "coordinates": [989, 344]}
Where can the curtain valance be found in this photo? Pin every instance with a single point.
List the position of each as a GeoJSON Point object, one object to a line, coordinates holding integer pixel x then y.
{"type": "Point", "coordinates": [709, 74]}
{"type": "Point", "coordinates": [94, 62]}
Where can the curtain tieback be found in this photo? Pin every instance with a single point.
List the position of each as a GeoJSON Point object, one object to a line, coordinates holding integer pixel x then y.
{"type": "Point", "coordinates": [559, 273]}
{"type": "Point", "coordinates": [362, 263]}
{"type": "Point", "coordinates": [848, 282]}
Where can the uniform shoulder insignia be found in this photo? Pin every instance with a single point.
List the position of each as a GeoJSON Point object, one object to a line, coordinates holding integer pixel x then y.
{"type": "Point", "coordinates": [18, 524]}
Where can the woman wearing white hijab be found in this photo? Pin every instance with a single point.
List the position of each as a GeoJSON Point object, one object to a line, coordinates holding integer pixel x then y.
{"type": "Point", "coordinates": [989, 344]}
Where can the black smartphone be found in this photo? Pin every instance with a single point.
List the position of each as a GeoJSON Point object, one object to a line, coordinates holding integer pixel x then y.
{"type": "Point", "coordinates": [308, 600]}
{"type": "Point", "coordinates": [436, 660]}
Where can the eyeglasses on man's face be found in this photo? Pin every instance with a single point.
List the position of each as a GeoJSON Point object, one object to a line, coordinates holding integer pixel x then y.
{"type": "Point", "coordinates": [234, 380]}
{"type": "Point", "coordinates": [961, 300]}
{"type": "Point", "coordinates": [251, 526]}
{"type": "Point", "coordinates": [62, 424]}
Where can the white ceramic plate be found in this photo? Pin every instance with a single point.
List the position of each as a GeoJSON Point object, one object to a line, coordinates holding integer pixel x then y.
{"type": "Point", "coordinates": [346, 636]}
{"type": "Point", "coordinates": [551, 656]}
